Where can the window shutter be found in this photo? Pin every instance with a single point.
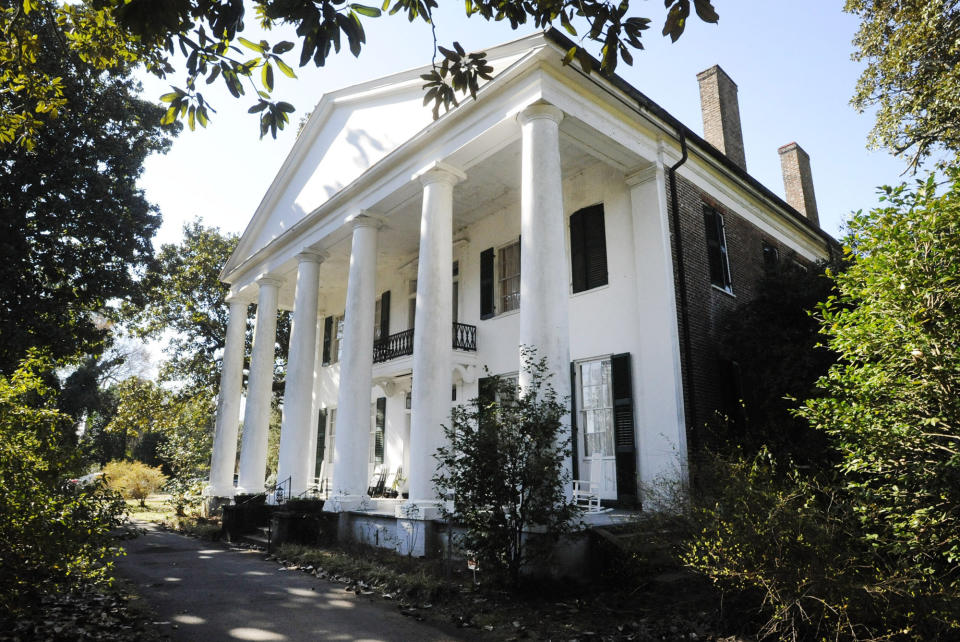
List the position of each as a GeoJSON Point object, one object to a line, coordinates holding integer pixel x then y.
{"type": "Point", "coordinates": [624, 441]}
{"type": "Point", "coordinates": [385, 315]}
{"type": "Point", "coordinates": [575, 468]}
{"type": "Point", "coordinates": [327, 337]}
{"type": "Point", "coordinates": [321, 438]}
{"type": "Point", "coordinates": [577, 252]}
{"type": "Point", "coordinates": [486, 284]}
{"type": "Point", "coordinates": [716, 248]}
{"type": "Point", "coordinates": [595, 246]}
{"type": "Point", "coordinates": [486, 390]}
{"type": "Point", "coordinates": [381, 423]}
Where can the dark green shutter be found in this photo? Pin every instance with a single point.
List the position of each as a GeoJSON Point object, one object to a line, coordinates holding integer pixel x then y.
{"type": "Point", "coordinates": [588, 248]}
{"type": "Point", "coordinates": [381, 423]}
{"type": "Point", "coordinates": [486, 390]}
{"type": "Point", "coordinates": [486, 284]}
{"type": "Point", "coordinates": [573, 421]}
{"type": "Point", "coordinates": [577, 254]}
{"type": "Point", "coordinates": [321, 441]}
{"type": "Point", "coordinates": [624, 441]}
{"type": "Point", "coordinates": [327, 336]}
{"type": "Point", "coordinates": [385, 315]}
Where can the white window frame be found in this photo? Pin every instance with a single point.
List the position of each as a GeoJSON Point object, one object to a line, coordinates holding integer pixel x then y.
{"type": "Point", "coordinates": [331, 434]}
{"type": "Point", "coordinates": [498, 279]}
{"type": "Point", "coordinates": [582, 410]}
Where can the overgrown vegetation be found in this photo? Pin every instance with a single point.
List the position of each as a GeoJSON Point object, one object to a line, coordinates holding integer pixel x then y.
{"type": "Point", "coordinates": [133, 479]}
{"type": "Point", "coordinates": [504, 463]}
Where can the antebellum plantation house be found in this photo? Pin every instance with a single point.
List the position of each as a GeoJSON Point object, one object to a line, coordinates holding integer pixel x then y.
{"type": "Point", "coordinates": [560, 210]}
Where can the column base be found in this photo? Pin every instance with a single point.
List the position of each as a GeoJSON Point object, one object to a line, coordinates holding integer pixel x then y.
{"type": "Point", "coordinates": [422, 509]}
{"type": "Point", "coordinates": [218, 491]}
{"type": "Point", "coordinates": [344, 503]}
{"type": "Point", "coordinates": [240, 490]}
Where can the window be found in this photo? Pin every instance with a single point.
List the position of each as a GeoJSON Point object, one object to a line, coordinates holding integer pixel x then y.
{"type": "Point", "coordinates": [456, 291]}
{"type": "Point", "coordinates": [717, 249]}
{"type": "Point", "coordinates": [596, 408]}
{"type": "Point", "coordinates": [509, 277]}
{"type": "Point", "coordinates": [771, 256]}
{"type": "Point", "coordinates": [332, 339]}
{"type": "Point", "coordinates": [505, 394]}
{"type": "Point", "coordinates": [411, 303]}
{"type": "Point", "coordinates": [588, 248]}
{"type": "Point", "coordinates": [331, 433]}
{"type": "Point", "coordinates": [378, 413]}
{"type": "Point", "coordinates": [381, 317]}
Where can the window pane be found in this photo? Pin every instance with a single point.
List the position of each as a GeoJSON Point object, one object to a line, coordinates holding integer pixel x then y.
{"type": "Point", "coordinates": [509, 260]}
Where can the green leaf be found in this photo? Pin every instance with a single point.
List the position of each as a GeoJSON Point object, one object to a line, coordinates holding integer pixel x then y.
{"type": "Point", "coordinates": [250, 45]}
{"type": "Point", "coordinates": [370, 12]}
{"type": "Point", "coordinates": [285, 68]}
{"type": "Point", "coordinates": [266, 75]}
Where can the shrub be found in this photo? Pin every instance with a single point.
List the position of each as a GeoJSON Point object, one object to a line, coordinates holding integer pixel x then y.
{"type": "Point", "coordinates": [134, 479]}
{"type": "Point", "coordinates": [504, 464]}
{"type": "Point", "coordinates": [54, 534]}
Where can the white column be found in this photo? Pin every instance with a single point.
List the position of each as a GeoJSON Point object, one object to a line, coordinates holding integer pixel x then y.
{"type": "Point", "coordinates": [298, 393]}
{"type": "Point", "coordinates": [544, 275]}
{"type": "Point", "coordinates": [658, 384]}
{"type": "Point", "coordinates": [224, 457]}
{"type": "Point", "coordinates": [433, 333]}
{"type": "Point", "coordinates": [544, 278]}
{"type": "Point", "coordinates": [351, 453]}
{"type": "Point", "coordinates": [256, 418]}
{"type": "Point", "coordinates": [315, 407]}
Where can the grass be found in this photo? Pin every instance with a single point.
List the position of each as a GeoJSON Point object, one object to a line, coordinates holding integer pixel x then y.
{"type": "Point", "coordinates": [158, 510]}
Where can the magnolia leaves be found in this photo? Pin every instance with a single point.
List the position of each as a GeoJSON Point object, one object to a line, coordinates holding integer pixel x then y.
{"type": "Point", "coordinates": [458, 72]}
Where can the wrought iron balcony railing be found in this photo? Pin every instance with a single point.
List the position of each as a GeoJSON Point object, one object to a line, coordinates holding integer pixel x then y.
{"type": "Point", "coordinates": [400, 344]}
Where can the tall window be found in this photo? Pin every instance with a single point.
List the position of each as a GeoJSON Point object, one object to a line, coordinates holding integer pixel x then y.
{"type": "Point", "coordinates": [331, 433]}
{"type": "Point", "coordinates": [338, 339]}
{"type": "Point", "coordinates": [596, 408]}
{"type": "Point", "coordinates": [378, 413]}
{"type": "Point", "coordinates": [717, 249]}
{"type": "Point", "coordinates": [588, 248]}
{"type": "Point", "coordinates": [332, 339]}
{"type": "Point", "coordinates": [509, 277]}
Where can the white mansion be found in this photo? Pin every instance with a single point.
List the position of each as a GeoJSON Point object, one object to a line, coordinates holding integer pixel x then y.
{"type": "Point", "coordinates": [414, 254]}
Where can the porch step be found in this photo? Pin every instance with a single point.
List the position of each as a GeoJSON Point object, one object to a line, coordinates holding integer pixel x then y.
{"type": "Point", "coordinates": [260, 537]}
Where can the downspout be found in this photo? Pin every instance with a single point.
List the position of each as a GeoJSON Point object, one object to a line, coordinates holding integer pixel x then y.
{"type": "Point", "coordinates": [682, 275]}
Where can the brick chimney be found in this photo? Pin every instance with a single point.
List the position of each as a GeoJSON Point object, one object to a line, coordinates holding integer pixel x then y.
{"type": "Point", "coordinates": [721, 114]}
{"type": "Point", "coordinates": [798, 181]}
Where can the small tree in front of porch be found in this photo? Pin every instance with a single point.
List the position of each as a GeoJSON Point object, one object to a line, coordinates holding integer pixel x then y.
{"type": "Point", "coordinates": [504, 464]}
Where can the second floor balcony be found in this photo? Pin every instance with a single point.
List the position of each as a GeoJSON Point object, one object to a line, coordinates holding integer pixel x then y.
{"type": "Point", "coordinates": [400, 344]}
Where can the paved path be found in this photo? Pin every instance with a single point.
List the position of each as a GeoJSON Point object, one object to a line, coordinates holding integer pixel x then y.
{"type": "Point", "coordinates": [208, 592]}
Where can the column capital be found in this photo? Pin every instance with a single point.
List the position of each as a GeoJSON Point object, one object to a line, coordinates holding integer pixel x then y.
{"type": "Point", "coordinates": [236, 299]}
{"type": "Point", "coordinates": [440, 171]}
{"type": "Point", "coordinates": [366, 218]}
{"type": "Point", "coordinates": [268, 280]}
{"type": "Point", "coordinates": [311, 256]}
{"type": "Point", "coordinates": [540, 111]}
{"type": "Point", "coordinates": [643, 175]}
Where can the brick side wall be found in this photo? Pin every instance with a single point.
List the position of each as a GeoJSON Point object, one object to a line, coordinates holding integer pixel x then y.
{"type": "Point", "coordinates": [708, 304]}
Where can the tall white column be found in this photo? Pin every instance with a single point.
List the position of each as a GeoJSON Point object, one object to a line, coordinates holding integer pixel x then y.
{"type": "Point", "coordinates": [311, 454]}
{"type": "Point", "coordinates": [432, 337]}
{"type": "Point", "coordinates": [351, 453]}
{"type": "Point", "coordinates": [544, 275]}
{"type": "Point", "coordinates": [224, 457]}
{"type": "Point", "coordinates": [256, 417]}
{"type": "Point", "coordinates": [298, 394]}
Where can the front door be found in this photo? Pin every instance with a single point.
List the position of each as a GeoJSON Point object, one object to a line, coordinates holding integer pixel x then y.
{"type": "Point", "coordinates": [595, 426]}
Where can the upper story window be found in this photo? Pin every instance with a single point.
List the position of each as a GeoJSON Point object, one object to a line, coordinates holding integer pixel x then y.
{"type": "Point", "coordinates": [771, 255]}
{"type": "Point", "coordinates": [509, 280]}
{"type": "Point", "coordinates": [332, 339]}
{"type": "Point", "coordinates": [499, 280]}
{"type": "Point", "coordinates": [717, 249]}
{"type": "Point", "coordinates": [588, 248]}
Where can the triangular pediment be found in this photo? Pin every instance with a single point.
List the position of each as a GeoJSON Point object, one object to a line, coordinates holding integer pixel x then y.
{"type": "Point", "coordinates": [349, 131]}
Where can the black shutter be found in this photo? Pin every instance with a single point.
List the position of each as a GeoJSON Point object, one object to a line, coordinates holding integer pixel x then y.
{"type": "Point", "coordinates": [486, 284]}
{"type": "Point", "coordinates": [577, 252]}
{"type": "Point", "coordinates": [327, 336]}
{"type": "Point", "coordinates": [575, 469]}
{"type": "Point", "coordinates": [595, 244]}
{"type": "Point", "coordinates": [321, 441]}
{"type": "Point", "coordinates": [624, 442]}
{"type": "Point", "coordinates": [716, 248]}
{"type": "Point", "coordinates": [486, 390]}
{"type": "Point", "coordinates": [588, 248]}
{"type": "Point", "coordinates": [385, 315]}
{"type": "Point", "coordinates": [381, 424]}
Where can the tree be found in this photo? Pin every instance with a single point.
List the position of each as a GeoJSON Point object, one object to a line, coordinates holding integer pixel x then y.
{"type": "Point", "coordinates": [891, 406]}
{"type": "Point", "coordinates": [912, 74]}
{"type": "Point", "coordinates": [74, 227]}
{"type": "Point", "coordinates": [54, 535]}
{"type": "Point", "coordinates": [134, 479]}
{"type": "Point", "coordinates": [503, 462]}
{"type": "Point", "coordinates": [209, 35]}
{"type": "Point", "coordinates": [183, 294]}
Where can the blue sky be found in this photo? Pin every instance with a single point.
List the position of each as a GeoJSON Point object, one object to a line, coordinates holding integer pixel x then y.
{"type": "Point", "coordinates": [790, 60]}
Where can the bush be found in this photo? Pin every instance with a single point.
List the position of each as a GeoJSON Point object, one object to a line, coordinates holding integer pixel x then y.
{"type": "Point", "coordinates": [54, 534]}
{"type": "Point", "coordinates": [134, 479]}
{"type": "Point", "coordinates": [504, 465]}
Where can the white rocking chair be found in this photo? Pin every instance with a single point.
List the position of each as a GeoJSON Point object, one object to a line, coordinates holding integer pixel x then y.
{"type": "Point", "coordinates": [586, 492]}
